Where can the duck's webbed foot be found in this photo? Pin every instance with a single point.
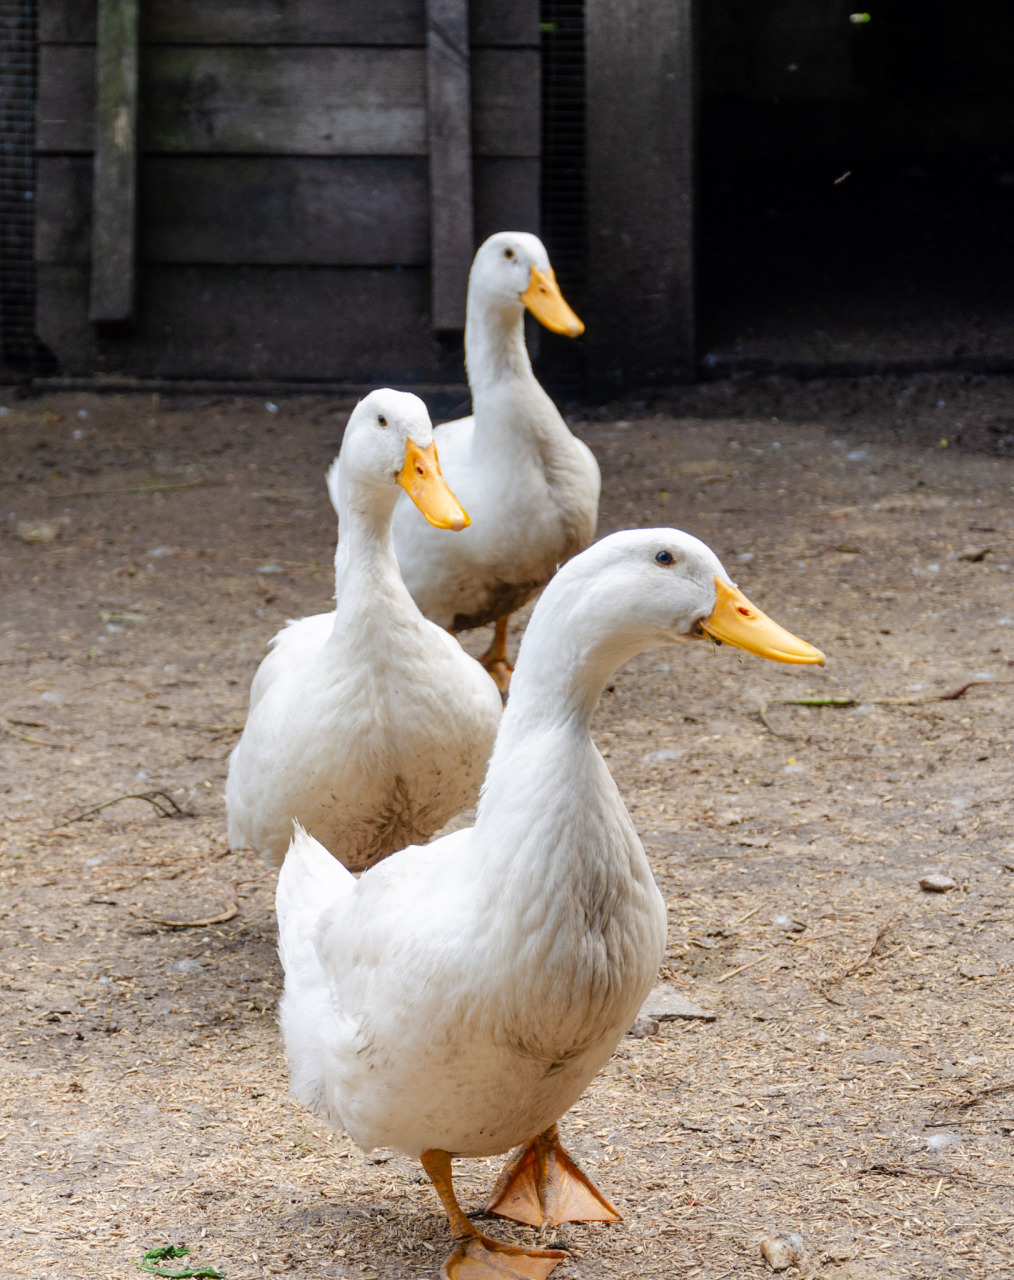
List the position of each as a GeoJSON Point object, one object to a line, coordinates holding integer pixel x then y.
{"type": "Point", "coordinates": [480, 1258]}
{"type": "Point", "coordinates": [475, 1256]}
{"type": "Point", "coordinates": [542, 1185]}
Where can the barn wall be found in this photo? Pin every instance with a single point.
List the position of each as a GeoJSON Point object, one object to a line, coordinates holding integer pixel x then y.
{"type": "Point", "coordinates": [284, 197]}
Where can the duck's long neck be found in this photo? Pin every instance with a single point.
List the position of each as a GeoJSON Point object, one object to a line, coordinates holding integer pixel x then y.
{"type": "Point", "coordinates": [365, 551]}
{"type": "Point", "coordinates": [495, 351]}
{"type": "Point", "coordinates": [545, 768]}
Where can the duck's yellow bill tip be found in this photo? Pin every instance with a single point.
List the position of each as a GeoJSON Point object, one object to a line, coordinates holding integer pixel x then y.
{"type": "Point", "coordinates": [421, 479]}
{"type": "Point", "coordinates": [734, 620]}
{"type": "Point", "coordinates": [548, 305]}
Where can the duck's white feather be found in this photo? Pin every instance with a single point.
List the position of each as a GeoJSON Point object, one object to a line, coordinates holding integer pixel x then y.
{"type": "Point", "coordinates": [369, 724]}
{"type": "Point", "coordinates": [530, 486]}
{"type": "Point", "coordinates": [465, 993]}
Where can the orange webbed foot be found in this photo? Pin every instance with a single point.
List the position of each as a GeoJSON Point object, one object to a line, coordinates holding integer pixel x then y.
{"type": "Point", "coordinates": [479, 1257]}
{"type": "Point", "coordinates": [542, 1185]}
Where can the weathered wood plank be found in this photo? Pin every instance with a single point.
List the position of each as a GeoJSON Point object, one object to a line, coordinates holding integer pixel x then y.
{"type": "Point", "coordinates": [506, 194]}
{"type": "Point", "coordinates": [358, 22]}
{"type": "Point", "coordinates": [65, 108]}
{"type": "Point", "coordinates": [284, 323]}
{"type": "Point", "coordinates": [63, 209]}
{"type": "Point", "coordinates": [506, 102]}
{"type": "Point", "coordinates": [640, 131]}
{"type": "Point", "coordinates": [286, 211]}
{"type": "Point", "coordinates": [292, 101]}
{"type": "Point", "coordinates": [68, 21]}
{"type": "Point", "coordinates": [449, 121]}
{"type": "Point", "coordinates": [114, 192]}
{"type": "Point", "coordinates": [279, 210]}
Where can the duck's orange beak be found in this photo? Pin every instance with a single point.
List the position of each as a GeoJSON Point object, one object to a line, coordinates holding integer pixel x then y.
{"type": "Point", "coordinates": [421, 479]}
{"type": "Point", "coordinates": [548, 305]}
{"type": "Point", "coordinates": [734, 620]}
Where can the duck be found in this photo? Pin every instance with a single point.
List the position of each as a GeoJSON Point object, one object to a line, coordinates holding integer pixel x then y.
{"type": "Point", "coordinates": [531, 486]}
{"type": "Point", "coordinates": [457, 999]}
{"type": "Point", "coordinates": [370, 725]}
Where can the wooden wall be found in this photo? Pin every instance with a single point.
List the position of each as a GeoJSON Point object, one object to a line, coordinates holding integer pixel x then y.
{"type": "Point", "coordinates": [284, 227]}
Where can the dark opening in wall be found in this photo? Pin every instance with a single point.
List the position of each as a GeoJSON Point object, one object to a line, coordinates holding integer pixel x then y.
{"type": "Point", "coordinates": [564, 206]}
{"type": "Point", "coordinates": [856, 203]}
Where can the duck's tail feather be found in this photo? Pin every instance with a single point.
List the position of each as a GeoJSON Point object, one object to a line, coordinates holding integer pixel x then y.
{"type": "Point", "coordinates": [310, 882]}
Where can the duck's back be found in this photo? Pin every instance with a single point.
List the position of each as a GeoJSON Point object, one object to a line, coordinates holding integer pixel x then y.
{"type": "Point", "coordinates": [531, 489]}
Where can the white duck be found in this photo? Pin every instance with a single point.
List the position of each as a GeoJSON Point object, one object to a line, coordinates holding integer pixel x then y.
{"type": "Point", "coordinates": [457, 999]}
{"type": "Point", "coordinates": [531, 487]}
{"type": "Point", "coordinates": [370, 725]}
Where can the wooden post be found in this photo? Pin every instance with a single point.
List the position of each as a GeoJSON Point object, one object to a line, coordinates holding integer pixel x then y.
{"type": "Point", "coordinates": [114, 203]}
{"type": "Point", "coordinates": [640, 147]}
{"type": "Point", "coordinates": [449, 118]}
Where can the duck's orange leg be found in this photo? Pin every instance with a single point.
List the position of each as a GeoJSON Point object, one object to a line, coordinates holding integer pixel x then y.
{"type": "Point", "coordinates": [495, 658]}
{"type": "Point", "coordinates": [475, 1256]}
{"type": "Point", "coordinates": [541, 1184]}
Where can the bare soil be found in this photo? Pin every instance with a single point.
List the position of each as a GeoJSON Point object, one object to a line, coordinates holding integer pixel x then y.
{"type": "Point", "coordinates": [857, 1085]}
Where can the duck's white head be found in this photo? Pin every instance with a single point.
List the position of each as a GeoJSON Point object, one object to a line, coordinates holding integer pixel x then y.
{"type": "Point", "coordinates": [637, 590]}
{"type": "Point", "coordinates": [511, 271]}
{"type": "Point", "coordinates": [389, 442]}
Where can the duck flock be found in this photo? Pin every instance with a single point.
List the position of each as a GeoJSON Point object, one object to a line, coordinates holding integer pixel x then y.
{"type": "Point", "coordinates": [457, 996]}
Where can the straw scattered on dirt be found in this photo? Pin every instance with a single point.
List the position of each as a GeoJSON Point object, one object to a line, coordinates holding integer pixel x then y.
{"type": "Point", "coordinates": [857, 1085]}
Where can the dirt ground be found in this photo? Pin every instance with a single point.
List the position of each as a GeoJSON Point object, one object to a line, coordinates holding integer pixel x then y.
{"type": "Point", "coordinates": [857, 1084]}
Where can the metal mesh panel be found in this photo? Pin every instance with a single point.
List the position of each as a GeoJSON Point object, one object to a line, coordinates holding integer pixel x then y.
{"type": "Point", "coordinates": [19, 348]}
{"type": "Point", "coordinates": [564, 211]}
{"type": "Point", "coordinates": [563, 140]}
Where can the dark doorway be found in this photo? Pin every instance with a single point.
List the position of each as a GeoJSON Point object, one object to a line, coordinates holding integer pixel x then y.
{"type": "Point", "coordinates": [856, 172]}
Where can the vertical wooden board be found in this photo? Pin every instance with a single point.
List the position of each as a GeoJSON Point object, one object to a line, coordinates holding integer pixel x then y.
{"type": "Point", "coordinates": [640, 145]}
{"type": "Point", "coordinates": [506, 195]}
{"type": "Point", "coordinates": [449, 121]}
{"type": "Point", "coordinates": [65, 108]}
{"type": "Point", "coordinates": [507, 102]}
{"type": "Point", "coordinates": [114, 193]}
{"type": "Point", "coordinates": [67, 21]}
{"type": "Point", "coordinates": [63, 209]}
{"type": "Point", "coordinates": [505, 23]}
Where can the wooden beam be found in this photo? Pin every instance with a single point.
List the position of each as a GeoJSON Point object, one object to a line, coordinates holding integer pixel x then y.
{"type": "Point", "coordinates": [449, 127]}
{"type": "Point", "coordinates": [640, 146]}
{"type": "Point", "coordinates": [114, 199]}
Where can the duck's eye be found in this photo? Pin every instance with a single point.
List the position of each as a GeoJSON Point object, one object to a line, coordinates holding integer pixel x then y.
{"type": "Point", "coordinates": [381, 420]}
{"type": "Point", "coordinates": [508, 253]}
{"type": "Point", "coordinates": [665, 557]}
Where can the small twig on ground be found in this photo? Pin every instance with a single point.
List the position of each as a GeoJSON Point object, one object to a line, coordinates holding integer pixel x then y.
{"type": "Point", "coordinates": [903, 1171]}
{"type": "Point", "coordinates": [228, 914]}
{"type": "Point", "coordinates": [732, 972]}
{"type": "Point", "coordinates": [26, 737]}
{"type": "Point", "coordinates": [846, 701]}
{"type": "Point", "coordinates": [1006, 1087]}
{"type": "Point", "coordinates": [163, 804]}
{"type": "Point", "coordinates": [762, 715]}
{"type": "Point", "coordinates": [847, 969]}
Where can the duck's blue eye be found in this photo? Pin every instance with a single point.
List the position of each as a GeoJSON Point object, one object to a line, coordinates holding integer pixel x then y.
{"type": "Point", "coordinates": [665, 557]}
{"type": "Point", "coordinates": [381, 420]}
